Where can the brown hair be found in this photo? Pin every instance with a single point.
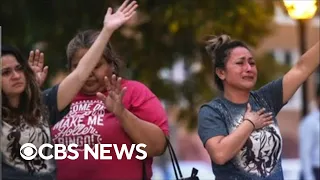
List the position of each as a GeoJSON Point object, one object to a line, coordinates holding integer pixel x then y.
{"type": "Point", "coordinates": [31, 108]}
{"type": "Point", "coordinates": [84, 40]}
{"type": "Point", "coordinates": [219, 48]}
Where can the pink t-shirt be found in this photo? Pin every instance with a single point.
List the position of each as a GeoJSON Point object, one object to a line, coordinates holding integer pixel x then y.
{"type": "Point", "coordinates": [88, 122]}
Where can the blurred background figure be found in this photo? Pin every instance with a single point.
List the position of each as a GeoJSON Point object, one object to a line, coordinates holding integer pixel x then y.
{"type": "Point", "coordinates": [309, 133]}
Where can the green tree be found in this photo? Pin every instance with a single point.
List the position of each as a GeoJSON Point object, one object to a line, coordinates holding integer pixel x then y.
{"type": "Point", "coordinates": [164, 30]}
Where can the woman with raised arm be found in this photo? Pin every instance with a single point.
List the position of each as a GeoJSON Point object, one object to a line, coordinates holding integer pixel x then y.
{"type": "Point", "coordinates": [94, 105]}
{"type": "Point", "coordinates": [24, 119]}
{"type": "Point", "coordinates": [239, 128]}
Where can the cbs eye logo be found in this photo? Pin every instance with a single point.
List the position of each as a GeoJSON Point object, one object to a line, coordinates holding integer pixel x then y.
{"type": "Point", "coordinates": [28, 151]}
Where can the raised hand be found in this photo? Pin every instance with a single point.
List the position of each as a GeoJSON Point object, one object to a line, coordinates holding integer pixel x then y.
{"type": "Point", "coordinates": [113, 101]}
{"type": "Point", "coordinates": [259, 118]}
{"type": "Point", "coordinates": [124, 13]}
{"type": "Point", "coordinates": [36, 62]}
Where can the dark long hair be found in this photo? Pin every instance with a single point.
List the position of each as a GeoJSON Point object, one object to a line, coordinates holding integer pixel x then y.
{"type": "Point", "coordinates": [30, 109]}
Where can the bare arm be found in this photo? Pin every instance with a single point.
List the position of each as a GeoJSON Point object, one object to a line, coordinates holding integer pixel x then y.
{"type": "Point", "coordinates": [72, 84]}
{"type": "Point", "coordinates": [223, 148]}
{"type": "Point", "coordinates": [141, 131]}
{"type": "Point", "coordinates": [300, 72]}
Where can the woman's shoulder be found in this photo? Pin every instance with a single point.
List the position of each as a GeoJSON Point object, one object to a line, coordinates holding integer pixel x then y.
{"type": "Point", "coordinates": [215, 104]}
{"type": "Point", "coordinates": [135, 86]}
{"type": "Point", "coordinates": [133, 83]}
{"type": "Point", "coordinates": [51, 91]}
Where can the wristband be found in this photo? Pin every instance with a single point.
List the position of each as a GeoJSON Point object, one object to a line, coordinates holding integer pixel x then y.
{"type": "Point", "coordinates": [254, 127]}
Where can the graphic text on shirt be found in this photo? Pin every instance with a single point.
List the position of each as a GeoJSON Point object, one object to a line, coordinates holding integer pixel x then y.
{"type": "Point", "coordinates": [79, 125]}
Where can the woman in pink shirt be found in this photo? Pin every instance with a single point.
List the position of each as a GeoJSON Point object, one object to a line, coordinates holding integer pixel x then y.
{"type": "Point", "coordinates": [106, 109]}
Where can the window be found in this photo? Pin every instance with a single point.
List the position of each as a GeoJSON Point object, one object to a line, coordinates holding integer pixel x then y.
{"type": "Point", "coordinates": [285, 56]}
{"type": "Point", "coordinates": [289, 57]}
{"type": "Point", "coordinates": [318, 77]}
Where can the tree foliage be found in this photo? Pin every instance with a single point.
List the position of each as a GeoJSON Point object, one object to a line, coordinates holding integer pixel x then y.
{"type": "Point", "coordinates": [163, 31]}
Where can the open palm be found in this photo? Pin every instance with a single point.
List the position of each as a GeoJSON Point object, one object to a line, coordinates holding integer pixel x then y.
{"type": "Point", "coordinates": [113, 101]}
{"type": "Point", "coordinates": [124, 13]}
{"type": "Point", "coordinates": [36, 62]}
